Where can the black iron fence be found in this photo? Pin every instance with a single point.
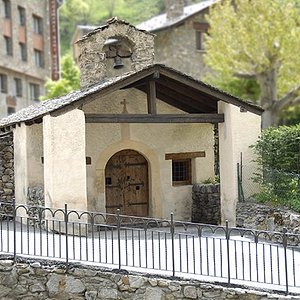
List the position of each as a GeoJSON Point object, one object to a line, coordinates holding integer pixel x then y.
{"type": "Point", "coordinates": [168, 247]}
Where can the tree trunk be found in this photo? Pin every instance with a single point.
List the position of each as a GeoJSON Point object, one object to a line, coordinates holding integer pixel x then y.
{"type": "Point", "coordinates": [268, 97]}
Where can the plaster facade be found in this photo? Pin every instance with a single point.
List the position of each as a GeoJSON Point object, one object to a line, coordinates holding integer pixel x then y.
{"type": "Point", "coordinates": [234, 140]}
{"type": "Point", "coordinates": [65, 141]}
{"type": "Point", "coordinates": [28, 153]}
{"type": "Point", "coordinates": [64, 160]}
{"type": "Point", "coordinates": [153, 141]}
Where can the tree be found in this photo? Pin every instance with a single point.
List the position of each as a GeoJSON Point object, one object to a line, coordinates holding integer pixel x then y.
{"type": "Point", "coordinates": [258, 40]}
{"type": "Point", "coordinates": [70, 79]}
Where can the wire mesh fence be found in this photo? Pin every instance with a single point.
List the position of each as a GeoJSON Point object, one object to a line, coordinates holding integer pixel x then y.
{"type": "Point", "coordinates": [168, 247]}
{"type": "Point", "coordinates": [269, 185]}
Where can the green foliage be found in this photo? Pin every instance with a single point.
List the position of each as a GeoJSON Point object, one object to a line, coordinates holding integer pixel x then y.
{"type": "Point", "coordinates": [259, 40]}
{"type": "Point", "coordinates": [210, 180]}
{"type": "Point", "coordinates": [239, 87]}
{"type": "Point", "coordinates": [290, 115]}
{"type": "Point", "coordinates": [70, 79]}
{"type": "Point", "coordinates": [278, 151]}
{"type": "Point", "coordinates": [250, 37]}
{"type": "Point", "coordinates": [279, 188]}
{"type": "Point", "coordinates": [279, 148]}
{"type": "Point", "coordinates": [96, 12]}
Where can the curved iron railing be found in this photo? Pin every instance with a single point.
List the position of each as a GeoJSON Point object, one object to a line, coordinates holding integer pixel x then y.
{"type": "Point", "coordinates": [165, 246]}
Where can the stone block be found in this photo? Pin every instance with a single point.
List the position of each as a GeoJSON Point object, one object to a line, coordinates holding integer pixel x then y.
{"type": "Point", "coordinates": [190, 292]}
{"type": "Point", "coordinates": [108, 293]}
{"type": "Point", "coordinates": [9, 279]}
{"type": "Point", "coordinates": [154, 293]}
{"type": "Point", "coordinates": [37, 287]}
{"type": "Point", "coordinates": [152, 281]}
{"type": "Point", "coordinates": [6, 178]}
{"type": "Point", "coordinates": [136, 283]}
{"type": "Point", "coordinates": [213, 293]}
{"type": "Point", "coordinates": [4, 291]}
{"type": "Point", "coordinates": [91, 295]}
{"type": "Point", "coordinates": [74, 286]}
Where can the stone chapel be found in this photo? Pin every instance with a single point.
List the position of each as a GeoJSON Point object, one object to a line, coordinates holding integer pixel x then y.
{"type": "Point", "coordinates": [135, 137]}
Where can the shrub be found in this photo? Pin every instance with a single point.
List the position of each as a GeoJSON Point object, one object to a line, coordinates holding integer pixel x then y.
{"type": "Point", "coordinates": [278, 151]}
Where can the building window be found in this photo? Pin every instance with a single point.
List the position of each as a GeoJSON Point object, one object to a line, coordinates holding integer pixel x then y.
{"type": "Point", "coordinates": [37, 25]}
{"type": "Point", "coordinates": [8, 45]}
{"type": "Point", "coordinates": [34, 91]}
{"type": "Point", "coordinates": [23, 51]}
{"type": "Point", "coordinates": [200, 40]}
{"type": "Point", "coordinates": [22, 16]}
{"type": "Point", "coordinates": [3, 83]}
{"type": "Point", "coordinates": [7, 10]}
{"type": "Point", "coordinates": [18, 87]}
{"type": "Point", "coordinates": [181, 172]}
{"type": "Point", "coordinates": [38, 58]}
{"type": "Point", "coordinates": [200, 31]}
{"type": "Point", "coordinates": [11, 110]}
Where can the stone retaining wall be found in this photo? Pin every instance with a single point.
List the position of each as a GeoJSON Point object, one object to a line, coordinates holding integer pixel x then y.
{"type": "Point", "coordinates": [36, 281]}
{"type": "Point", "coordinates": [7, 187]}
{"type": "Point", "coordinates": [206, 204]}
{"type": "Point", "coordinates": [263, 217]}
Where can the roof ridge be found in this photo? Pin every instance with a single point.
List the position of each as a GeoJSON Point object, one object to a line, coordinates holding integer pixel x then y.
{"type": "Point", "coordinates": [109, 22]}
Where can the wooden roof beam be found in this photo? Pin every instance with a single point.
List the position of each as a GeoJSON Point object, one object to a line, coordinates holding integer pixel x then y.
{"type": "Point", "coordinates": [185, 98]}
{"type": "Point", "coordinates": [182, 89]}
{"type": "Point", "coordinates": [161, 118]}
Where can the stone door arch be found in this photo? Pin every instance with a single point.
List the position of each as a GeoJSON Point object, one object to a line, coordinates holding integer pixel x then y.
{"type": "Point", "coordinates": [127, 183]}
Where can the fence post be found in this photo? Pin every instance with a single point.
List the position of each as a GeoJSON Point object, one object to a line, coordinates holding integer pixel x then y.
{"type": "Point", "coordinates": [284, 242]}
{"type": "Point", "coordinates": [228, 256]}
{"type": "Point", "coordinates": [238, 181]}
{"type": "Point", "coordinates": [67, 242]}
{"type": "Point", "coordinates": [15, 231]}
{"type": "Point", "coordinates": [172, 230]}
{"type": "Point", "coordinates": [119, 236]}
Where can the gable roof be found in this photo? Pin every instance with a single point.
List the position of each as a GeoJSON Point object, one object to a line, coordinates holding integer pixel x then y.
{"type": "Point", "coordinates": [199, 97]}
{"type": "Point", "coordinates": [161, 22]}
{"type": "Point", "coordinates": [156, 23]}
{"type": "Point", "coordinates": [109, 22]}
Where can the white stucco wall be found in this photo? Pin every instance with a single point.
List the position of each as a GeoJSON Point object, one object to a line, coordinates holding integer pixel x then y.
{"type": "Point", "coordinates": [236, 134]}
{"type": "Point", "coordinates": [153, 141]}
{"type": "Point", "coordinates": [64, 160]}
{"type": "Point", "coordinates": [28, 150]}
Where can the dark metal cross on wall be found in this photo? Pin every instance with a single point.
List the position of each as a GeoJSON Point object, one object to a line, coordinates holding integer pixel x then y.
{"type": "Point", "coordinates": [124, 103]}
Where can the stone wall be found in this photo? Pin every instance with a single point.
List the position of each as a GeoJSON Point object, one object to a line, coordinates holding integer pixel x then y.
{"type": "Point", "coordinates": [26, 281]}
{"type": "Point", "coordinates": [263, 217]}
{"type": "Point", "coordinates": [206, 203]}
{"type": "Point", "coordinates": [93, 59]}
{"type": "Point", "coordinates": [176, 47]}
{"type": "Point", "coordinates": [7, 187]}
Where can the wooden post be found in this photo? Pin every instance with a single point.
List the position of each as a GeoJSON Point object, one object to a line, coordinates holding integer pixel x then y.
{"type": "Point", "coordinates": [151, 97]}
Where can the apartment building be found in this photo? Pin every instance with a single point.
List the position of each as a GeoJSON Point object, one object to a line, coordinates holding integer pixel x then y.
{"type": "Point", "coordinates": [29, 51]}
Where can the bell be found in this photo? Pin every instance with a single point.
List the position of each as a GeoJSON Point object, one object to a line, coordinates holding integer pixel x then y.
{"type": "Point", "coordinates": [118, 63]}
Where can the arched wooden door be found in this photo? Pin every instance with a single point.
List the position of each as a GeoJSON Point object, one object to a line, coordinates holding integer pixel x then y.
{"type": "Point", "coordinates": [126, 184]}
